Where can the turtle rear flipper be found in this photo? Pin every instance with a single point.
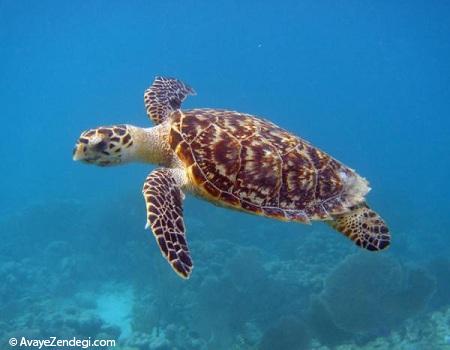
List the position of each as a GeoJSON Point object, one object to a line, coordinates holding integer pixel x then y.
{"type": "Point", "coordinates": [363, 226]}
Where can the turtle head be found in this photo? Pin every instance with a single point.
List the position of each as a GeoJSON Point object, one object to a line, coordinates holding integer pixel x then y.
{"type": "Point", "coordinates": [104, 146]}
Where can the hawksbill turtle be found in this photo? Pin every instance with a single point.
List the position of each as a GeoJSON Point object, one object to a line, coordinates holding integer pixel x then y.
{"type": "Point", "coordinates": [234, 160]}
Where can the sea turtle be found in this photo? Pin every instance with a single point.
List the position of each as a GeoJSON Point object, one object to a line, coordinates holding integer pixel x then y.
{"type": "Point", "coordinates": [234, 160]}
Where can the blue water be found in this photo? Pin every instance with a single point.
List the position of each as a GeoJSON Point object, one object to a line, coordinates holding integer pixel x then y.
{"type": "Point", "coordinates": [366, 81]}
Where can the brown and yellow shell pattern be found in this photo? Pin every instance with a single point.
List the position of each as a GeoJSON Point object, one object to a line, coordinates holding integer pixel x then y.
{"type": "Point", "coordinates": [248, 163]}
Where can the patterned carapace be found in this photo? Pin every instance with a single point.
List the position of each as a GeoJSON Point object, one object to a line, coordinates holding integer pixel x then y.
{"type": "Point", "coordinates": [254, 165]}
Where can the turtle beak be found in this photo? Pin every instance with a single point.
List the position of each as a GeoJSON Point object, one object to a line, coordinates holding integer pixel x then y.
{"type": "Point", "coordinates": [78, 153]}
{"type": "Point", "coordinates": [89, 150]}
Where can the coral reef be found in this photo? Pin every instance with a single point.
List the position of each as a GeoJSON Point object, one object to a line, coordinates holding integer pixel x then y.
{"type": "Point", "coordinates": [257, 285]}
{"type": "Point", "coordinates": [440, 269]}
{"type": "Point", "coordinates": [372, 294]}
{"type": "Point", "coordinates": [58, 318]}
{"type": "Point", "coordinates": [431, 332]}
{"type": "Point", "coordinates": [288, 333]}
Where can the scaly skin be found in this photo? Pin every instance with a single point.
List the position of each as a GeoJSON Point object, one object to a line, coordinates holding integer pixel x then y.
{"type": "Point", "coordinates": [120, 144]}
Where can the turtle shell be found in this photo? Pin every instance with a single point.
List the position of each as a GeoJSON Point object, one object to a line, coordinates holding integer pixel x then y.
{"type": "Point", "coordinates": [248, 163]}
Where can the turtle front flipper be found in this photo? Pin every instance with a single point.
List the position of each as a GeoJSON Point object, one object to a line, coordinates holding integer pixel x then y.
{"type": "Point", "coordinates": [363, 226]}
{"type": "Point", "coordinates": [164, 96]}
{"type": "Point", "coordinates": [163, 197]}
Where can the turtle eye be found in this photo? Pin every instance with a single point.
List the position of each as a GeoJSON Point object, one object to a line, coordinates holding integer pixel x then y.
{"type": "Point", "coordinates": [101, 146]}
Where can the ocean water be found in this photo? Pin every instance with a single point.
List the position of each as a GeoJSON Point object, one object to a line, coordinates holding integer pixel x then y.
{"type": "Point", "coordinates": [366, 81]}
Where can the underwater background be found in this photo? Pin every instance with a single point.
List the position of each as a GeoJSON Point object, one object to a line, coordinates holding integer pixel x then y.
{"type": "Point", "coordinates": [366, 81]}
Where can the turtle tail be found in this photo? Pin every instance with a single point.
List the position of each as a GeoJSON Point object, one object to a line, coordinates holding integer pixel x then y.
{"type": "Point", "coordinates": [364, 227]}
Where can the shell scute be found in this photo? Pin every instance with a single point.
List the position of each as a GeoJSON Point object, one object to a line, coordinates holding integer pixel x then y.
{"type": "Point", "coordinates": [251, 207]}
{"type": "Point", "coordinates": [229, 198]}
{"type": "Point", "coordinates": [241, 128]}
{"type": "Point", "coordinates": [185, 154]}
{"type": "Point", "coordinates": [211, 189]}
{"type": "Point", "coordinates": [259, 175]}
{"type": "Point", "coordinates": [328, 182]}
{"type": "Point", "coordinates": [299, 181]}
{"type": "Point", "coordinates": [192, 127]}
{"type": "Point", "coordinates": [274, 212]}
{"type": "Point", "coordinates": [215, 153]}
{"type": "Point", "coordinates": [283, 140]}
{"type": "Point", "coordinates": [174, 137]}
{"type": "Point", "coordinates": [319, 159]}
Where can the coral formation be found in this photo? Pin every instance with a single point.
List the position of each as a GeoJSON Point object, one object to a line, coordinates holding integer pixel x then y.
{"type": "Point", "coordinates": [373, 294]}
{"type": "Point", "coordinates": [440, 269]}
{"type": "Point", "coordinates": [288, 333]}
{"type": "Point", "coordinates": [106, 279]}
